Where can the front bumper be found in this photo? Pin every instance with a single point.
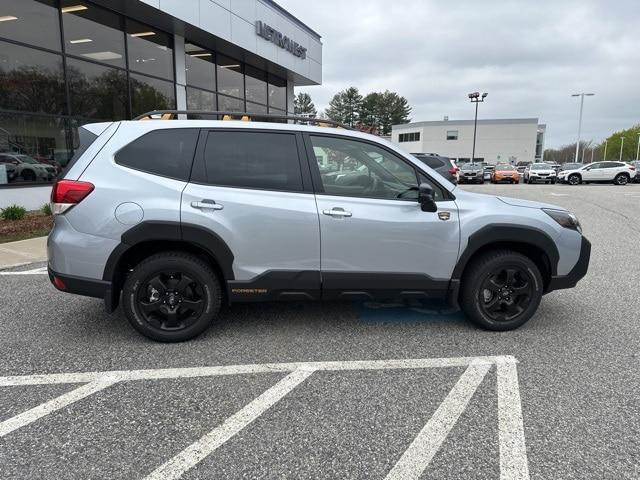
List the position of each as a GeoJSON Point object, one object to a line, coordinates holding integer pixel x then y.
{"type": "Point", "coordinates": [577, 272]}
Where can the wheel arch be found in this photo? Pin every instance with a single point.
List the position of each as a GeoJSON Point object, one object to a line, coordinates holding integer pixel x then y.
{"type": "Point", "coordinates": [149, 238]}
{"type": "Point", "coordinates": [529, 241]}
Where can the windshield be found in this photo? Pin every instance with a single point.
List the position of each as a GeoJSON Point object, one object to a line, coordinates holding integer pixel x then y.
{"type": "Point", "coordinates": [471, 166]}
{"type": "Point", "coordinates": [540, 166]}
{"type": "Point", "coordinates": [26, 159]}
{"type": "Point", "coordinates": [503, 168]}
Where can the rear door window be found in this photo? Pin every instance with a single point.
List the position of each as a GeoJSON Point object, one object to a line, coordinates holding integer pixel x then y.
{"type": "Point", "coordinates": [261, 160]}
{"type": "Point", "coordinates": [166, 152]}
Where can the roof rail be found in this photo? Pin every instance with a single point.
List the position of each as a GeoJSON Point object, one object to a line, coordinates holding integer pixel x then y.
{"type": "Point", "coordinates": [243, 116]}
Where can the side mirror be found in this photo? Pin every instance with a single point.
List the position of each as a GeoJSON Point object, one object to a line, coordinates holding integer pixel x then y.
{"type": "Point", "coordinates": [425, 198]}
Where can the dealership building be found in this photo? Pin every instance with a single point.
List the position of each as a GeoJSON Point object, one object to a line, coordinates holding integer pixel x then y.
{"type": "Point", "coordinates": [510, 140]}
{"type": "Point", "coordinates": [64, 63]}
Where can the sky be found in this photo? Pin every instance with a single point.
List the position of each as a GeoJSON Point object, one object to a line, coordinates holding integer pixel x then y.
{"type": "Point", "coordinates": [529, 55]}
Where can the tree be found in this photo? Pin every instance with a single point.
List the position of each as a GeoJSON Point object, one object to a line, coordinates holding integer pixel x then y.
{"type": "Point", "coordinates": [303, 105]}
{"type": "Point", "coordinates": [345, 107]}
{"type": "Point", "coordinates": [629, 147]}
{"type": "Point", "coordinates": [381, 111]}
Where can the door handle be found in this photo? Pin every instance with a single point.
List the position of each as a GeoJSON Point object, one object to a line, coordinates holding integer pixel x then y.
{"type": "Point", "coordinates": [207, 205]}
{"type": "Point", "coordinates": [337, 212]}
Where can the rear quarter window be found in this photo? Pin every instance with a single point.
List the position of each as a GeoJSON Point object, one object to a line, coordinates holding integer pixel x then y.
{"type": "Point", "coordinates": [166, 152]}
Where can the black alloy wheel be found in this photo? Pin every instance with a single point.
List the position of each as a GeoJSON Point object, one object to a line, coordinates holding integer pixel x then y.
{"type": "Point", "coordinates": [506, 293]}
{"type": "Point", "coordinates": [501, 290]}
{"type": "Point", "coordinates": [171, 300]}
{"type": "Point", "coordinates": [172, 296]}
{"type": "Point", "coordinates": [621, 179]}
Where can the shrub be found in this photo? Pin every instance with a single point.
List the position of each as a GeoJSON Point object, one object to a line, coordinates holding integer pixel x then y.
{"type": "Point", "coordinates": [13, 212]}
{"type": "Point", "coordinates": [46, 209]}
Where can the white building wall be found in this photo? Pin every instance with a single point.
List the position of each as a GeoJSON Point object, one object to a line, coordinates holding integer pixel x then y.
{"type": "Point", "coordinates": [234, 21]}
{"type": "Point", "coordinates": [496, 141]}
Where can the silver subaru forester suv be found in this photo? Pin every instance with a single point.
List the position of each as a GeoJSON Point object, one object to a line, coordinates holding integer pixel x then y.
{"type": "Point", "coordinates": [173, 218]}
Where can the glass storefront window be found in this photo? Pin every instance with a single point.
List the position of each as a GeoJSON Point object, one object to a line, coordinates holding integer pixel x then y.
{"type": "Point", "coordinates": [255, 85]}
{"type": "Point", "coordinates": [200, 99]}
{"type": "Point", "coordinates": [230, 104]}
{"type": "Point", "coordinates": [96, 91]}
{"type": "Point", "coordinates": [30, 21]}
{"type": "Point", "coordinates": [31, 80]}
{"type": "Point", "coordinates": [33, 148]}
{"type": "Point", "coordinates": [230, 78]}
{"type": "Point", "coordinates": [150, 51]}
{"type": "Point", "coordinates": [277, 92]}
{"type": "Point", "coordinates": [256, 108]}
{"type": "Point", "coordinates": [93, 33]}
{"type": "Point", "coordinates": [151, 94]}
{"type": "Point", "coordinates": [200, 66]}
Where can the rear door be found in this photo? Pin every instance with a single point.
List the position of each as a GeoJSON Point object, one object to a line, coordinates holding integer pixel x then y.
{"type": "Point", "coordinates": [375, 238]}
{"type": "Point", "coordinates": [249, 189]}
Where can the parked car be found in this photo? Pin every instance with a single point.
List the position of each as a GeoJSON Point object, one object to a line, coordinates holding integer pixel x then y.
{"type": "Point", "coordinates": [636, 165]}
{"type": "Point", "coordinates": [539, 172]}
{"type": "Point", "coordinates": [178, 217]}
{"type": "Point", "coordinates": [471, 173]}
{"type": "Point", "coordinates": [570, 166]}
{"type": "Point", "coordinates": [522, 166]}
{"type": "Point", "coordinates": [443, 165]}
{"type": "Point", "coordinates": [618, 173]}
{"type": "Point", "coordinates": [488, 169]}
{"type": "Point", "coordinates": [27, 168]}
{"type": "Point", "coordinates": [505, 172]}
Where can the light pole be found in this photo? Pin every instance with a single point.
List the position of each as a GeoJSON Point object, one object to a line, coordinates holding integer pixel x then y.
{"type": "Point", "coordinates": [476, 98]}
{"type": "Point", "coordinates": [638, 150]}
{"type": "Point", "coordinates": [621, 145]}
{"type": "Point", "coordinates": [581, 95]}
{"type": "Point", "coordinates": [605, 150]}
{"type": "Point", "coordinates": [592, 149]}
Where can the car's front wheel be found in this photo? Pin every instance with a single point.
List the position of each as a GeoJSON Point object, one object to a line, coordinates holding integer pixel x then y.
{"type": "Point", "coordinates": [172, 296]}
{"type": "Point", "coordinates": [501, 290]}
{"type": "Point", "coordinates": [574, 179]}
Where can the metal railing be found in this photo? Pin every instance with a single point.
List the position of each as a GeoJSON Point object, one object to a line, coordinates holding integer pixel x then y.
{"type": "Point", "coordinates": [241, 116]}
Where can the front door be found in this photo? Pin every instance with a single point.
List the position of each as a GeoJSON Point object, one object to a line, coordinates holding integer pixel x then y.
{"type": "Point", "coordinates": [594, 173]}
{"type": "Point", "coordinates": [375, 239]}
{"type": "Point", "coordinates": [248, 189]}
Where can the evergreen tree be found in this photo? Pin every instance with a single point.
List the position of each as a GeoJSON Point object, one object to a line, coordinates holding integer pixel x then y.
{"type": "Point", "coordinates": [345, 107]}
{"type": "Point", "coordinates": [303, 105]}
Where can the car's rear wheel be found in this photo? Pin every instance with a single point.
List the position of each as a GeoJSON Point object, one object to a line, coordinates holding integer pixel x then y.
{"type": "Point", "coordinates": [501, 290]}
{"type": "Point", "coordinates": [28, 175]}
{"type": "Point", "coordinates": [621, 179]}
{"type": "Point", "coordinates": [574, 179]}
{"type": "Point", "coordinates": [172, 296]}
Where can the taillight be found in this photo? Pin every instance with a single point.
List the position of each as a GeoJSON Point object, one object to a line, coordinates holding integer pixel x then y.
{"type": "Point", "coordinates": [453, 170]}
{"type": "Point", "coordinates": [632, 168]}
{"type": "Point", "coordinates": [67, 193]}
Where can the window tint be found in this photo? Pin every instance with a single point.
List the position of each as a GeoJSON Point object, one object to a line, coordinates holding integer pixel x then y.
{"type": "Point", "coordinates": [150, 50]}
{"type": "Point", "coordinates": [352, 168]}
{"type": "Point", "coordinates": [253, 160]}
{"type": "Point", "coordinates": [167, 152]}
{"type": "Point", "coordinates": [433, 162]}
{"type": "Point", "coordinates": [200, 67]}
{"type": "Point", "coordinates": [611, 165]}
{"type": "Point", "coordinates": [30, 21]}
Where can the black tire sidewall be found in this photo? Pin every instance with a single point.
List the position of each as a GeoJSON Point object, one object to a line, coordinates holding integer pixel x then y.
{"type": "Point", "coordinates": [619, 177]}
{"type": "Point", "coordinates": [470, 301]}
{"type": "Point", "coordinates": [180, 263]}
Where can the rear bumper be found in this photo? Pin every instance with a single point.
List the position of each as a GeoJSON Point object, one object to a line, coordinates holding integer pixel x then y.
{"type": "Point", "coordinates": [577, 272]}
{"type": "Point", "coordinates": [87, 287]}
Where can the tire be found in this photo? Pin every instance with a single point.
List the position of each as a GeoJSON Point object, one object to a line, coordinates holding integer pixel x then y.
{"type": "Point", "coordinates": [621, 179]}
{"type": "Point", "coordinates": [172, 278]}
{"type": "Point", "coordinates": [28, 176]}
{"type": "Point", "coordinates": [574, 179]}
{"type": "Point", "coordinates": [481, 276]}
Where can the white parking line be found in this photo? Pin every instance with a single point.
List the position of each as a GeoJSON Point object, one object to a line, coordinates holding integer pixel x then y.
{"type": "Point", "coordinates": [513, 455]}
{"type": "Point", "coordinates": [198, 451]}
{"type": "Point", "coordinates": [417, 457]}
{"type": "Point", "coordinates": [25, 418]}
{"type": "Point", "coordinates": [35, 271]}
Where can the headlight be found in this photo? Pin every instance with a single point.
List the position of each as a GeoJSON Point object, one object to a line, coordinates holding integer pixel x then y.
{"type": "Point", "coordinates": [566, 219]}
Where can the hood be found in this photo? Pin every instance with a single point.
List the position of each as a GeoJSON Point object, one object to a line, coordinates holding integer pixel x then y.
{"type": "Point", "coordinates": [546, 170]}
{"type": "Point", "coordinates": [516, 202]}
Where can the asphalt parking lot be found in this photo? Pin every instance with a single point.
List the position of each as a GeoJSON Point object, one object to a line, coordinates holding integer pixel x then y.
{"type": "Point", "coordinates": [336, 390]}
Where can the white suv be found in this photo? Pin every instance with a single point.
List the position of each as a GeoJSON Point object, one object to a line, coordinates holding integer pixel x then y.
{"type": "Point", "coordinates": [619, 173]}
